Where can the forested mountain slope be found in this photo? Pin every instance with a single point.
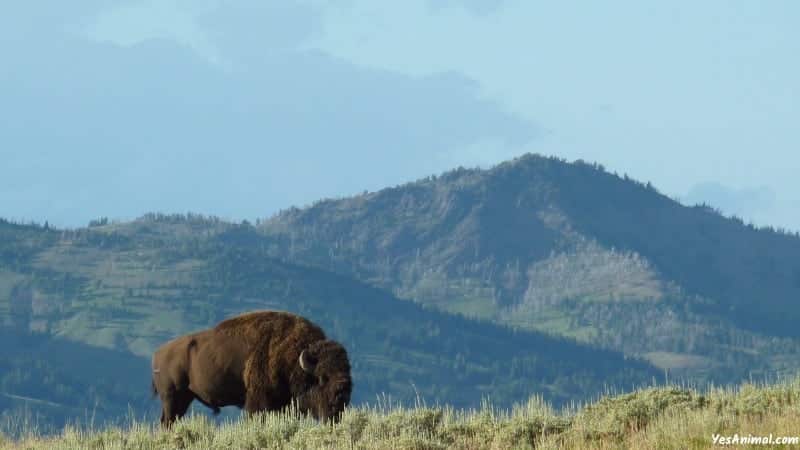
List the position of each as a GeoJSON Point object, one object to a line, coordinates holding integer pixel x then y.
{"type": "Point", "coordinates": [571, 249]}
{"type": "Point", "coordinates": [81, 311]}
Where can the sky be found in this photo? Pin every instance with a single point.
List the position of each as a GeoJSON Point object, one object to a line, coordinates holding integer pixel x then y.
{"type": "Point", "coordinates": [240, 109]}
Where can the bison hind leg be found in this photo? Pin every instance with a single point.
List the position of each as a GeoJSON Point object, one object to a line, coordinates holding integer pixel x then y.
{"type": "Point", "coordinates": [174, 406]}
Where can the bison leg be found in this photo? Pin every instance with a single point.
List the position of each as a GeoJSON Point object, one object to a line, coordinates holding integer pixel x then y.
{"type": "Point", "coordinates": [252, 405]}
{"type": "Point", "coordinates": [174, 406]}
{"type": "Point", "coordinates": [255, 403]}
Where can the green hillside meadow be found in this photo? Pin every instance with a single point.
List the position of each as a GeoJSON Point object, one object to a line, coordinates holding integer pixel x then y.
{"type": "Point", "coordinates": [82, 311]}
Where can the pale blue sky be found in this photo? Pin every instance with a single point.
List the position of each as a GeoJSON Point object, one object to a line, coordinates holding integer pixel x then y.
{"type": "Point", "coordinates": [238, 110]}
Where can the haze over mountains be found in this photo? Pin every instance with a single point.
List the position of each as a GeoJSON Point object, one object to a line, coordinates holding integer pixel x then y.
{"type": "Point", "coordinates": [531, 256]}
{"type": "Point", "coordinates": [208, 106]}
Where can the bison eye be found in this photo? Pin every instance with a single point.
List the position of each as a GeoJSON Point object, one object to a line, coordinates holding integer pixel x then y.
{"type": "Point", "coordinates": [323, 379]}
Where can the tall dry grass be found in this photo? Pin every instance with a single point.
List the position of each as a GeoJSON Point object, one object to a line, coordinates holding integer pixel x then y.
{"type": "Point", "coordinates": [653, 418]}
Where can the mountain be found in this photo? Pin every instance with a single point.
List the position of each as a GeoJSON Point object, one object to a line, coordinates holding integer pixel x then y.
{"type": "Point", "coordinates": [538, 243]}
{"type": "Point", "coordinates": [81, 311]}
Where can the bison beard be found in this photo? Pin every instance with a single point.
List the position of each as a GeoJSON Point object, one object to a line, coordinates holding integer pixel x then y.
{"type": "Point", "coordinates": [261, 361]}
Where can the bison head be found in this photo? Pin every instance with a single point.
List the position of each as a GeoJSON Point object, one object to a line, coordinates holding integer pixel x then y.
{"type": "Point", "coordinates": [328, 369]}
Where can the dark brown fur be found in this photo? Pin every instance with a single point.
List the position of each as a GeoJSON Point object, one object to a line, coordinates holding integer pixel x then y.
{"type": "Point", "coordinates": [252, 361]}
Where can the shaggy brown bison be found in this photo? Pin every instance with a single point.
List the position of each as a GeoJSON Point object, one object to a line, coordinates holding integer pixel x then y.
{"type": "Point", "coordinates": [259, 361]}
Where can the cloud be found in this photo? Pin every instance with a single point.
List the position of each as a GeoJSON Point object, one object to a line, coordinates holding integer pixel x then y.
{"type": "Point", "coordinates": [101, 128]}
{"type": "Point", "coordinates": [251, 28]}
{"type": "Point", "coordinates": [223, 32]}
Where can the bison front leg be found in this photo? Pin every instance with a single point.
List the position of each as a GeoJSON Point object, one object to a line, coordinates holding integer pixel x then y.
{"type": "Point", "coordinates": [256, 402]}
{"type": "Point", "coordinates": [253, 404]}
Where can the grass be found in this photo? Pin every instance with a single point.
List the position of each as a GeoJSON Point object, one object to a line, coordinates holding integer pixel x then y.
{"type": "Point", "coordinates": [653, 418]}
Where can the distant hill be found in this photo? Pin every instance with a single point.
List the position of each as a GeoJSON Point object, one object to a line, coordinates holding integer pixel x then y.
{"type": "Point", "coordinates": [568, 248]}
{"type": "Point", "coordinates": [82, 310]}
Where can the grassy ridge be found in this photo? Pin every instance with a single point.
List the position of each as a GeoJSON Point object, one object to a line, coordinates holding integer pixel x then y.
{"type": "Point", "coordinates": [665, 418]}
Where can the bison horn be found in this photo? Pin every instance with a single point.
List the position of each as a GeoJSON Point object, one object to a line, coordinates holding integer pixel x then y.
{"type": "Point", "coordinates": [306, 362]}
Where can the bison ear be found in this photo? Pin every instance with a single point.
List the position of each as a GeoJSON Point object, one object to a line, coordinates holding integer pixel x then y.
{"type": "Point", "coordinates": [307, 363]}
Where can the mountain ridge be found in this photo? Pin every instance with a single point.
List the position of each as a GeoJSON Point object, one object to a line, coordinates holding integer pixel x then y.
{"type": "Point", "coordinates": [536, 253]}
{"type": "Point", "coordinates": [566, 247]}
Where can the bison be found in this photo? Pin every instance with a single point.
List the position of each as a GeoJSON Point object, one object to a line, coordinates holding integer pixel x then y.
{"type": "Point", "coordinates": [259, 361]}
